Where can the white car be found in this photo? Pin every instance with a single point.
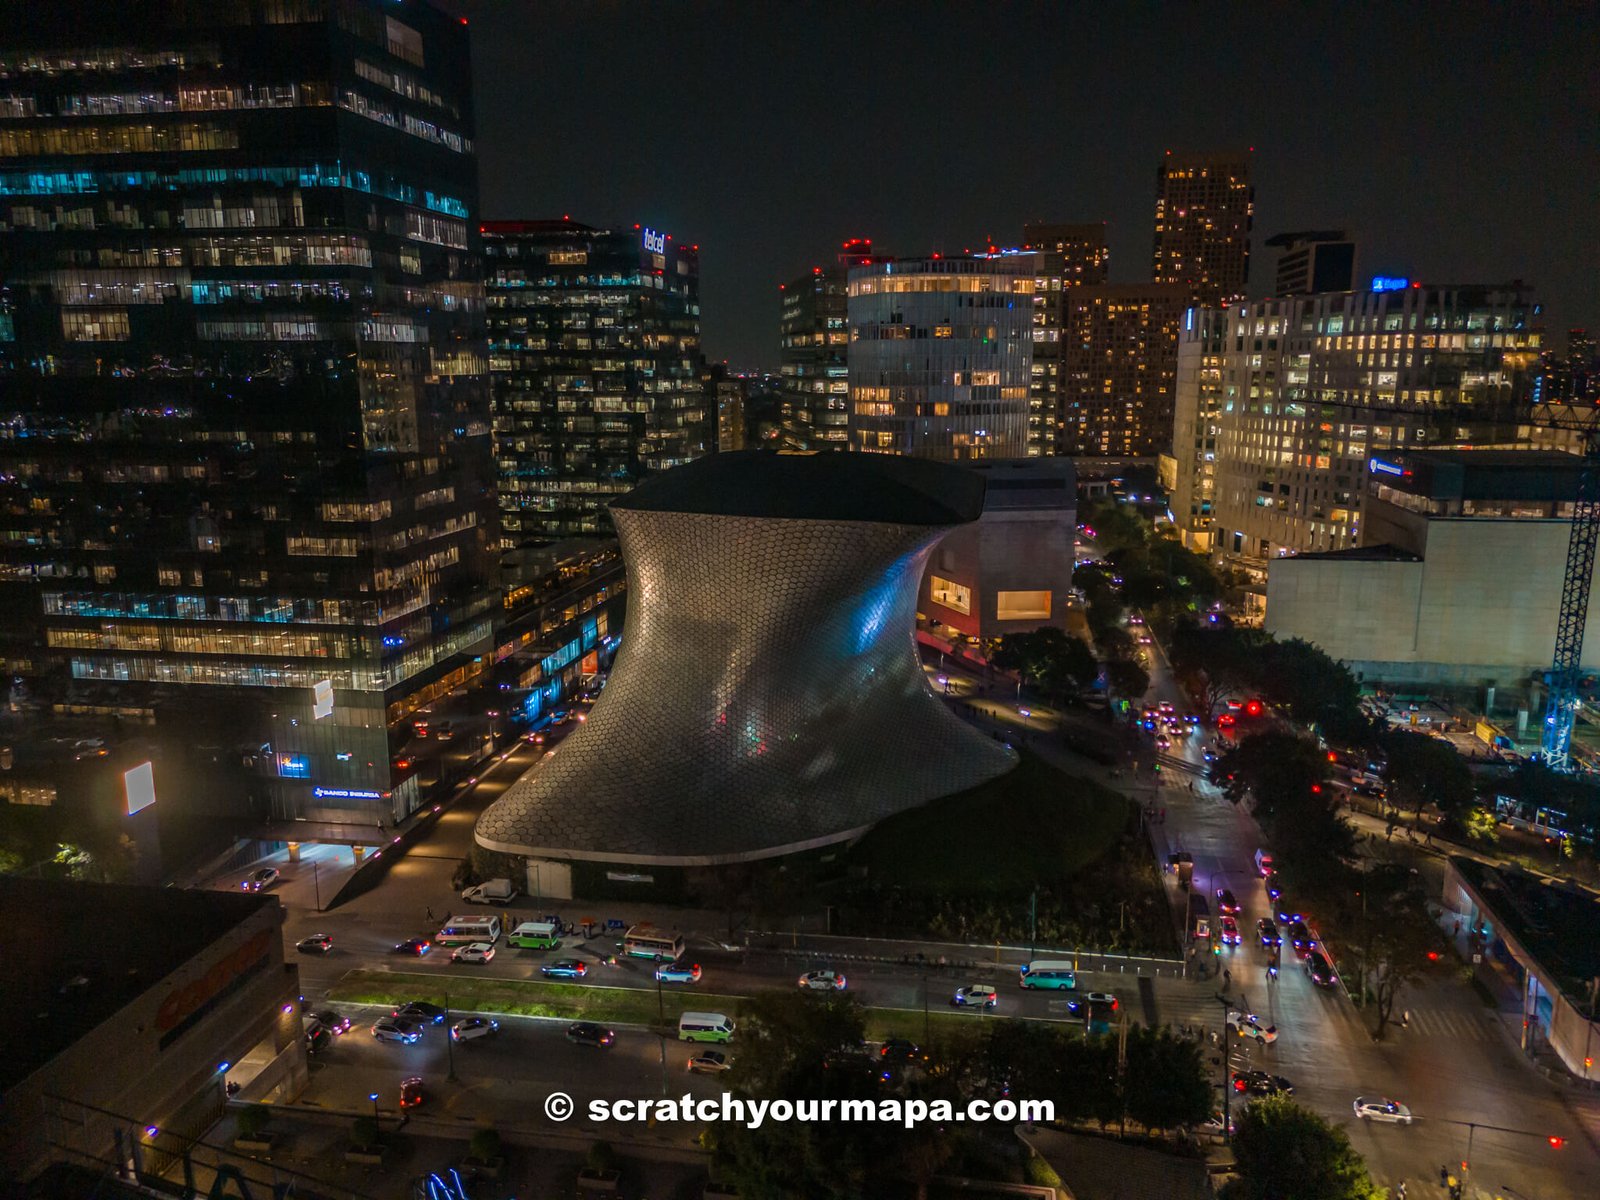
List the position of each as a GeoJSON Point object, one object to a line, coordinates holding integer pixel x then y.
{"type": "Point", "coordinates": [260, 880]}
{"type": "Point", "coordinates": [1249, 1025]}
{"type": "Point", "coordinates": [1377, 1108]}
{"type": "Point", "coordinates": [979, 995]}
{"type": "Point", "coordinates": [474, 1028]}
{"type": "Point", "coordinates": [473, 952]}
{"type": "Point", "coordinates": [822, 981]}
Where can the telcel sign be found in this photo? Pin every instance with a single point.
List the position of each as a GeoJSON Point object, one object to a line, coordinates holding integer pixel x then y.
{"type": "Point", "coordinates": [655, 242]}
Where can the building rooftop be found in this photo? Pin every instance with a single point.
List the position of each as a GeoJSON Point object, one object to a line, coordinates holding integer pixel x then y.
{"type": "Point", "coordinates": [76, 953]}
{"type": "Point", "coordinates": [1383, 553]}
{"type": "Point", "coordinates": [1467, 474]}
{"type": "Point", "coordinates": [1027, 483]}
{"type": "Point", "coordinates": [1559, 924]}
{"type": "Point", "coordinates": [882, 488]}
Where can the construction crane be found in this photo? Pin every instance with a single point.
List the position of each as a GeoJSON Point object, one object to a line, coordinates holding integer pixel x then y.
{"type": "Point", "coordinates": [1566, 668]}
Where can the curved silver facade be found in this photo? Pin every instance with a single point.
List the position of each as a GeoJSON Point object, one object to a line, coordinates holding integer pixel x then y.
{"type": "Point", "coordinates": [767, 698]}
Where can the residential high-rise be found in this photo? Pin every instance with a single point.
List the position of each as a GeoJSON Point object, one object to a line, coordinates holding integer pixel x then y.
{"type": "Point", "coordinates": [1315, 386]}
{"type": "Point", "coordinates": [1583, 367]}
{"type": "Point", "coordinates": [1205, 205]}
{"type": "Point", "coordinates": [594, 343]}
{"type": "Point", "coordinates": [1118, 363]}
{"type": "Point", "coordinates": [1065, 257]}
{"type": "Point", "coordinates": [941, 351]}
{"type": "Point", "coordinates": [814, 340]}
{"type": "Point", "coordinates": [1198, 402]}
{"type": "Point", "coordinates": [244, 425]}
{"type": "Point", "coordinates": [1321, 260]}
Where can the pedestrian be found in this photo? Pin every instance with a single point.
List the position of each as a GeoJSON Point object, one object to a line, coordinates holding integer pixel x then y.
{"type": "Point", "coordinates": [1400, 1192]}
{"type": "Point", "coordinates": [1444, 1176]}
{"type": "Point", "coordinates": [1227, 979]}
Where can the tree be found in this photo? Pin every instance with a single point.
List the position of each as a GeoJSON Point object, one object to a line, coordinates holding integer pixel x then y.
{"type": "Point", "coordinates": [1215, 662]}
{"type": "Point", "coordinates": [1283, 1151]}
{"type": "Point", "coordinates": [1308, 686]}
{"type": "Point", "coordinates": [1127, 679]}
{"type": "Point", "coordinates": [1165, 1083]}
{"type": "Point", "coordinates": [1058, 663]}
{"type": "Point", "coordinates": [1392, 937]}
{"type": "Point", "coordinates": [1426, 771]}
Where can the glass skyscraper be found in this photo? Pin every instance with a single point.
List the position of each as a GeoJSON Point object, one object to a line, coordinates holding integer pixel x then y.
{"type": "Point", "coordinates": [595, 359]}
{"type": "Point", "coordinates": [245, 459]}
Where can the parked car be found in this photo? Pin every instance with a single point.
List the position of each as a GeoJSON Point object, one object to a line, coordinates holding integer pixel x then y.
{"type": "Point", "coordinates": [473, 1028]}
{"type": "Point", "coordinates": [587, 1033]}
{"type": "Point", "coordinates": [1378, 1108]}
{"type": "Point", "coordinates": [709, 1062]}
{"type": "Point", "coordinates": [260, 880]}
{"type": "Point", "coordinates": [317, 943]}
{"type": "Point", "coordinates": [473, 952]}
{"type": "Point", "coordinates": [822, 981]}
{"type": "Point", "coordinates": [396, 1029]}
{"type": "Point", "coordinates": [1300, 937]}
{"type": "Point", "coordinates": [421, 1011]}
{"type": "Point", "coordinates": [411, 1092]}
{"type": "Point", "coordinates": [977, 995]}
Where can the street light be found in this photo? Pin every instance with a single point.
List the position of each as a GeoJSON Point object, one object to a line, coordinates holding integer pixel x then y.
{"type": "Point", "coordinates": [449, 1042]}
{"type": "Point", "coordinates": [373, 1096]}
{"type": "Point", "coordinates": [1227, 1081]}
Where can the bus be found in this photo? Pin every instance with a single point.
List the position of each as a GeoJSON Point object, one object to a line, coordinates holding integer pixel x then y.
{"type": "Point", "coordinates": [460, 931]}
{"type": "Point", "coordinates": [534, 935]}
{"type": "Point", "coordinates": [1048, 973]}
{"type": "Point", "coordinates": [646, 941]}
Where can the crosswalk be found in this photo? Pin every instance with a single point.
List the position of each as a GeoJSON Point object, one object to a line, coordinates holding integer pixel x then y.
{"type": "Point", "coordinates": [1462, 1026]}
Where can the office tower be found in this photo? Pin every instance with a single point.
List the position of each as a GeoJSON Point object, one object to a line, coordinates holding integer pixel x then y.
{"type": "Point", "coordinates": [732, 393]}
{"type": "Point", "coordinates": [1199, 396]}
{"type": "Point", "coordinates": [1321, 260]}
{"type": "Point", "coordinates": [1119, 347]}
{"type": "Point", "coordinates": [244, 426]}
{"type": "Point", "coordinates": [1065, 257]}
{"type": "Point", "coordinates": [594, 345]}
{"type": "Point", "coordinates": [941, 351]}
{"type": "Point", "coordinates": [1316, 386]}
{"type": "Point", "coordinates": [814, 342]}
{"type": "Point", "coordinates": [1581, 367]}
{"type": "Point", "coordinates": [1204, 208]}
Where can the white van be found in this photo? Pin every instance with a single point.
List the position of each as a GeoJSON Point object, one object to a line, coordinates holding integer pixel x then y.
{"type": "Point", "coordinates": [704, 1027]}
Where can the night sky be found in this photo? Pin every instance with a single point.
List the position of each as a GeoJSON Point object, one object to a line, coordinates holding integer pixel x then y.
{"type": "Point", "coordinates": [1460, 142]}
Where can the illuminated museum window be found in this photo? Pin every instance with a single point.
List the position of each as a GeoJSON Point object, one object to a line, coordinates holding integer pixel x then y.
{"type": "Point", "coordinates": [1022, 606]}
{"type": "Point", "coordinates": [952, 595]}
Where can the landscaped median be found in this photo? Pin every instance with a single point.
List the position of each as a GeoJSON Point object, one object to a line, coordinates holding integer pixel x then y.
{"type": "Point", "coordinates": [613, 1005]}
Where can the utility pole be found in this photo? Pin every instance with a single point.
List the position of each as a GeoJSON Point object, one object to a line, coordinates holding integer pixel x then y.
{"type": "Point", "coordinates": [1033, 921]}
{"type": "Point", "coordinates": [1227, 1081]}
{"type": "Point", "coordinates": [316, 882]}
{"type": "Point", "coordinates": [449, 1042]}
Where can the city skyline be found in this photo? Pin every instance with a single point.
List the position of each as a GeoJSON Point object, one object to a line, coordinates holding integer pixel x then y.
{"type": "Point", "coordinates": [1449, 176]}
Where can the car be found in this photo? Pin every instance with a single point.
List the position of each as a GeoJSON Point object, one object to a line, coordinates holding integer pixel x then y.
{"type": "Point", "coordinates": [317, 943]}
{"type": "Point", "coordinates": [1227, 721]}
{"type": "Point", "coordinates": [444, 731]}
{"type": "Point", "coordinates": [1274, 891]}
{"type": "Point", "coordinates": [901, 1050]}
{"type": "Point", "coordinates": [565, 968]}
{"type": "Point", "coordinates": [1226, 903]}
{"type": "Point", "coordinates": [414, 946]}
{"type": "Point", "coordinates": [1145, 639]}
{"type": "Point", "coordinates": [1166, 706]}
{"type": "Point", "coordinates": [1260, 1083]}
{"type": "Point", "coordinates": [421, 1012]}
{"type": "Point", "coordinates": [709, 1062]}
{"type": "Point", "coordinates": [977, 995]}
{"type": "Point", "coordinates": [587, 1033]}
{"type": "Point", "coordinates": [334, 1022]}
{"type": "Point", "coordinates": [1320, 968]}
{"type": "Point", "coordinates": [411, 1092]}
{"type": "Point", "coordinates": [396, 1029]}
{"type": "Point", "coordinates": [1106, 999]}
{"type": "Point", "coordinates": [1164, 743]}
{"type": "Point", "coordinates": [1230, 931]}
{"type": "Point", "coordinates": [1380, 1108]}
{"type": "Point", "coordinates": [473, 1028]}
{"type": "Point", "coordinates": [1268, 933]}
{"type": "Point", "coordinates": [676, 972]}
{"type": "Point", "coordinates": [1286, 914]}
{"type": "Point", "coordinates": [259, 880]}
{"type": "Point", "coordinates": [534, 737]}
{"type": "Point", "coordinates": [318, 1038]}
{"type": "Point", "coordinates": [1300, 938]}
{"type": "Point", "coordinates": [1248, 1025]}
{"type": "Point", "coordinates": [822, 981]}
{"type": "Point", "coordinates": [473, 952]}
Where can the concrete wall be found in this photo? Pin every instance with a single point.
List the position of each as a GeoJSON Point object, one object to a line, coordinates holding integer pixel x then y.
{"type": "Point", "coordinates": [1480, 607]}
{"type": "Point", "coordinates": [1021, 551]}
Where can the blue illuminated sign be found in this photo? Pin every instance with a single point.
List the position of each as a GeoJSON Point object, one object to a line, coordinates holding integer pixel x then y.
{"type": "Point", "coordinates": [655, 242]}
{"type": "Point", "coordinates": [1390, 283]}
{"type": "Point", "coordinates": [1378, 466]}
{"type": "Point", "coordinates": [345, 794]}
